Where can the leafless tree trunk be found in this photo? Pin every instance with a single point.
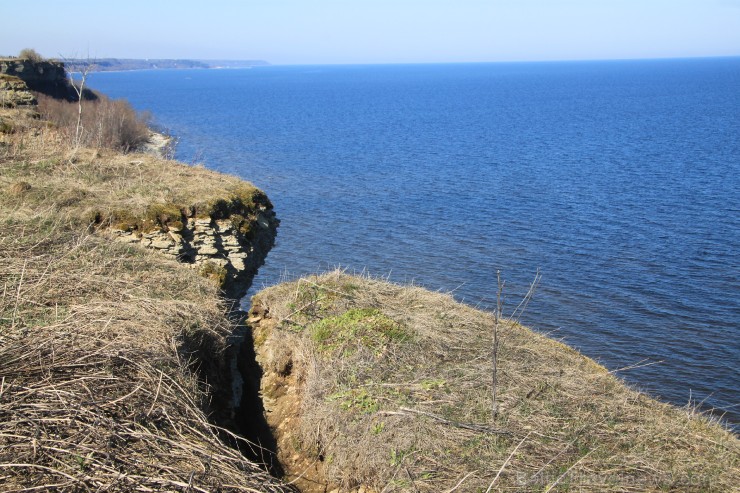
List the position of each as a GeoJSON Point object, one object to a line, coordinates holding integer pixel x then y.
{"type": "Point", "coordinates": [79, 89]}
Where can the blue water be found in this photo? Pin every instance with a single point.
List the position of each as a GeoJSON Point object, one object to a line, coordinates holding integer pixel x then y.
{"type": "Point", "coordinates": [618, 180]}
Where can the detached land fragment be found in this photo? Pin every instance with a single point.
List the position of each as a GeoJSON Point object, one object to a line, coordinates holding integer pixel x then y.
{"type": "Point", "coordinates": [376, 387]}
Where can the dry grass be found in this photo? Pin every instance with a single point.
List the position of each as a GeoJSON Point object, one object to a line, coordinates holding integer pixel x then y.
{"type": "Point", "coordinates": [413, 413]}
{"type": "Point", "coordinates": [106, 350]}
{"type": "Point", "coordinates": [104, 187]}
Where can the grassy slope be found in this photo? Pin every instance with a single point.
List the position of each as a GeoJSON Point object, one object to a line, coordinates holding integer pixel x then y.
{"type": "Point", "coordinates": [99, 341]}
{"type": "Point", "coordinates": [377, 382]}
{"type": "Point", "coordinates": [103, 186]}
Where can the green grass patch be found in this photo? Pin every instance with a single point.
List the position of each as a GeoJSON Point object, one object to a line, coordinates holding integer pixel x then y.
{"type": "Point", "coordinates": [355, 400]}
{"type": "Point", "coordinates": [366, 327]}
{"type": "Point", "coordinates": [166, 215]}
{"type": "Point", "coordinates": [242, 199]}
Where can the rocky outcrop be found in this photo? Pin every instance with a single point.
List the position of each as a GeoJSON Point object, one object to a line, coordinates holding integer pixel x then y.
{"type": "Point", "coordinates": [47, 77]}
{"type": "Point", "coordinates": [32, 72]}
{"type": "Point", "coordinates": [14, 92]}
{"type": "Point", "coordinates": [158, 145]}
{"type": "Point", "coordinates": [227, 241]}
{"type": "Point", "coordinates": [227, 245]}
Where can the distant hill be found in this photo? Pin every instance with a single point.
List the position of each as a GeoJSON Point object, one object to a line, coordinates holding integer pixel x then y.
{"type": "Point", "coordinates": [234, 63]}
{"type": "Point", "coordinates": [111, 64]}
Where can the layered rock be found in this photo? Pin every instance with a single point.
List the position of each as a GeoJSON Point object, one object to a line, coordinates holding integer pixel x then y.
{"type": "Point", "coordinates": [14, 92]}
{"type": "Point", "coordinates": [48, 77]}
{"type": "Point", "coordinates": [228, 245]}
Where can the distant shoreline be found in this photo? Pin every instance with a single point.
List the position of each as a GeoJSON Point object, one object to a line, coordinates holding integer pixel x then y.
{"type": "Point", "coordinates": [130, 64]}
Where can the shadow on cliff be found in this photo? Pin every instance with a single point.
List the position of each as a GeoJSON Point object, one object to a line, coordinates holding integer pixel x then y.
{"type": "Point", "coordinates": [46, 77]}
{"type": "Point", "coordinates": [235, 403]}
{"type": "Point", "coordinates": [250, 415]}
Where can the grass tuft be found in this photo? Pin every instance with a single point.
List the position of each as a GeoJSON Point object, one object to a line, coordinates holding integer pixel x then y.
{"type": "Point", "coordinates": [214, 272]}
{"type": "Point", "coordinates": [166, 216]}
{"type": "Point", "coordinates": [366, 327]}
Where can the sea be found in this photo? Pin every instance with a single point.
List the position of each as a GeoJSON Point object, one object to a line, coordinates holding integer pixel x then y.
{"type": "Point", "coordinates": [617, 181]}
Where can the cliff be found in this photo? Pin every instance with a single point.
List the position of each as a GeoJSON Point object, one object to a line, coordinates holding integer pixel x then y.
{"type": "Point", "coordinates": [34, 73]}
{"type": "Point", "coordinates": [226, 239]}
{"type": "Point", "coordinates": [125, 367]}
{"type": "Point", "coordinates": [14, 92]}
{"type": "Point", "coordinates": [47, 77]}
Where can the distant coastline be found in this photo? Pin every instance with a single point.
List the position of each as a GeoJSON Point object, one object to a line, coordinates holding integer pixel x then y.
{"type": "Point", "coordinates": [129, 64]}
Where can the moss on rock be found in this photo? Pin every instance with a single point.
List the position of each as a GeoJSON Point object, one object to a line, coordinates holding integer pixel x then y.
{"type": "Point", "coordinates": [215, 272]}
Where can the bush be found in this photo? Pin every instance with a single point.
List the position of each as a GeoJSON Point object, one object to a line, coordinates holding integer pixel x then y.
{"type": "Point", "coordinates": [30, 54]}
{"type": "Point", "coordinates": [106, 123]}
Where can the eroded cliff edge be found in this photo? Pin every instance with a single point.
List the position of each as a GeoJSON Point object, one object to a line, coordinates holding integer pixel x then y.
{"type": "Point", "coordinates": [118, 334]}
{"type": "Point", "coordinates": [226, 239]}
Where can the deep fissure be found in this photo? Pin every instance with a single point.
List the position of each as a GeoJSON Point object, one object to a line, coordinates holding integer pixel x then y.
{"type": "Point", "coordinates": [249, 414]}
{"type": "Point", "coordinates": [236, 404]}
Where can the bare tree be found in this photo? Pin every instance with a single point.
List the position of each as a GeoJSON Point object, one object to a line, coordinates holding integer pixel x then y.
{"type": "Point", "coordinates": [79, 87]}
{"type": "Point", "coordinates": [494, 356]}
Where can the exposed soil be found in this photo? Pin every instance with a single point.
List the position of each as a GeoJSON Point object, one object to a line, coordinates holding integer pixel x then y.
{"type": "Point", "coordinates": [276, 393]}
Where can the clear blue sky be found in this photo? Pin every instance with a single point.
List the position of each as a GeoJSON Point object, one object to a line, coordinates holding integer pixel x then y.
{"type": "Point", "coordinates": [373, 31]}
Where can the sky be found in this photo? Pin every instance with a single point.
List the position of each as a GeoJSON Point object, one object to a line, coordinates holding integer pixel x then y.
{"type": "Point", "coordinates": [374, 31]}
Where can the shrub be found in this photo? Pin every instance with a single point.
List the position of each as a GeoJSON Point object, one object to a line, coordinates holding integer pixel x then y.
{"type": "Point", "coordinates": [30, 54]}
{"type": "Point", "coordinates": [6, 127]}
{"type": "Point", "coordinates": [106, 123]}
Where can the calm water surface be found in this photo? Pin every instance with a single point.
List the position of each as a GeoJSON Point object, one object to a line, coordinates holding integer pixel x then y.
{"type": "Point", "coordinates": [618, 180]}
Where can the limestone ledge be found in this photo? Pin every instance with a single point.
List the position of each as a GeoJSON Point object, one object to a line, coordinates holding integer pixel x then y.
{"type": "Point", "coordinates": [48, 77]}
{"type": "Point", "coordinates": [47, 72]}
{"type": "Point", "coordinates": [14, 92]}
{"type": "Point", "coordinates": [214, 246]}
